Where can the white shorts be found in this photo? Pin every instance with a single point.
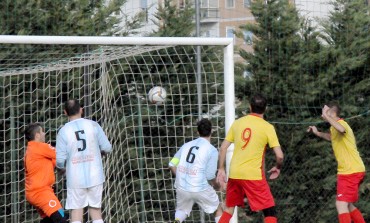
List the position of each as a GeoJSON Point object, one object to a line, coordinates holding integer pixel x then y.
{"type": "Point", "coordinates": [207, 200]}
{"type": "Point", "coordinates": [78, 198]}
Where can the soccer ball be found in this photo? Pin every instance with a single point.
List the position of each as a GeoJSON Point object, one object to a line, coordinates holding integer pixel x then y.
{"type": "Point", "coordinates": [157, 95]}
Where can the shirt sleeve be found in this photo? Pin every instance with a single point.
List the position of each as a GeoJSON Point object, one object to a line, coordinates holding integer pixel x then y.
{"type": "Point", "coordinates": [48, 151]}
{"type": "Point", "coordinates": [273, 140]}
{"type": "Point", "coordinates": [61, 150]}
{"type": "Point", "coordinates": [212, 165]}
{"type": "Point", "coordinates": [230, 134]}
{"type": "Point", "coordinates": [103, 141]}
{"type": "Point", "coordinates": [176, 159]}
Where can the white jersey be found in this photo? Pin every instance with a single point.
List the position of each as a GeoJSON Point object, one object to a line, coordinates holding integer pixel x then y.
{"type": "Point", "coordinates": [79, 145]}
{"type": "Point", "coordinates": [196, 163]}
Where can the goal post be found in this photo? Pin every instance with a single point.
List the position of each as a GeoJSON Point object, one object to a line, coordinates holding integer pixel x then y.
{"type": "Point", "coordinates": [111, 76]}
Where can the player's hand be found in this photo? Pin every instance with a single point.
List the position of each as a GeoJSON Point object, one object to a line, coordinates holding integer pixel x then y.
{"type": "Point", "coordinates": [103, 153]}
{"type": "Point", "coordinates": [312, 129]}
{"type": "Point", "coordinates": [324, 113]}
{"type": "Point", "coordinates": [274, 173]}
{"type": "Point", "coordinates": [221, 178]}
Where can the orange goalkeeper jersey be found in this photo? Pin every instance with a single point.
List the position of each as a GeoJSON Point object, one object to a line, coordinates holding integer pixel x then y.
{"type": "Point", "coordinates": [39, 164]}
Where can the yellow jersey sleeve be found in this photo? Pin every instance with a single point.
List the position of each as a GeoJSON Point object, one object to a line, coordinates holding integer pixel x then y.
{"type": "Point", "coordinates": [345, 150]}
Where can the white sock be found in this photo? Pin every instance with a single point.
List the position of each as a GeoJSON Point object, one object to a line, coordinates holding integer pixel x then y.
{"type": "Point", "coordinates": [217, 219]}
{"type": "Point", "coordinates": [75, 222]}
{"type": "Point", "coordinates": [98, 221]}
{"type": "Point", "coordinates": [180, 215]}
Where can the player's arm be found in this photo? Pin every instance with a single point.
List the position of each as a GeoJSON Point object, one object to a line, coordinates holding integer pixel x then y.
{"type": "Point", "coordinates": [48, 151]}
{"type": "Point", "coordinates": [316, 132]}
{"type": "Point", "coordinates": [279, 155]}
{"type": "Point", "coordinates": [61, 151]}
{"type": "Point", "coordinates": [211, 169]}
{"type": "Point", "coordinates": [175, 162]}
{"type": "Point", "coordinates": [221, 174]}
{"type": "Point", "coordinates": [333, 122]}
{"type": "Point", "coordinates": [104, 144]}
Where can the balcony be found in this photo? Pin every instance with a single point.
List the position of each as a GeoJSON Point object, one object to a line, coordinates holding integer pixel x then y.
{"type": "Point", "coordinates": [209, 15]}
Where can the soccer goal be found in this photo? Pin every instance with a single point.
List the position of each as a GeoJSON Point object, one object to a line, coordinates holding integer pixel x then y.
{"type": "Point", "coordinates": [111, 76]}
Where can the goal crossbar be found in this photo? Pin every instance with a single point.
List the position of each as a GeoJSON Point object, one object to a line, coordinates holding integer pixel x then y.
{"type": "Point", "coordinates": [109, 40]}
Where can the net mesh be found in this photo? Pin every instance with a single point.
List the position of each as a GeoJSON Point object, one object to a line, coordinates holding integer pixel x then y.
{"type": "Point", "coordinates": [112, 83]}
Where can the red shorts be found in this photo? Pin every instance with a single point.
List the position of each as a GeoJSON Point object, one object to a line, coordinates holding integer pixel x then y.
{"type": "Point", "coordinates": [348, 186]}
{"type": "Point", "coordinates": [257, 192]}
{"type": "Point", "coordinates": [44, 200]}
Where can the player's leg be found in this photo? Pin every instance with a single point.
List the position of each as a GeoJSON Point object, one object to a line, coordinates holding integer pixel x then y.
{"type": "Point", "coordinates": [355, 214]}
{"type": "Point", "coordinates": [270, 215]}
{"type": "Point", "coordinates": [77, 215]}
{"type": "Point", "coordinates": [234, 197]}
{"type": "Point", "coordinates": [58, 217]}
{"type": "Point", "coordinates": [46, 220]}
{"type": "Point", "coordinates": [94, 197]}
{"type": "Point", "coordinates": [347, 193]}
{"type": "Point", "coordinates": [184, 205]}
{"type": "Point", "coordinates": [95, 214]}
{"type": "Point", "coordinates": [48, 206]}
{"type": "Point", "coordinates": [76, 201]}
{"type": "Point", "coordinates": [209, 202]}
{"type": "Point", "coordinates": [218, 213]}
{"type": "Point", "coordinates": [260, 198]}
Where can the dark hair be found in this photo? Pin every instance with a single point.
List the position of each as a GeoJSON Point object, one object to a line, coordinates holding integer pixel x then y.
{"type": "Point", "coordinates": [204, 127]}
{"type": "Point", "coordinates": [335, 105]}
{"type": "Point", "coordinates": [31, 131]}
{"type": "Point", "coordinates": [72, 107]}
{"type": "Point", "coordinates": [258, 104]}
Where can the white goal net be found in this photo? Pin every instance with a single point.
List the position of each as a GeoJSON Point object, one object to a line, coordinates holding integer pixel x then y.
{"type": "Point", "coordinates": [111, 77]}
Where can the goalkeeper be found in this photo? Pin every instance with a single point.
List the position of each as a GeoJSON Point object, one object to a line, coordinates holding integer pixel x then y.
{"type": "Point", "coordinates": [195, 165]}
{"type": "Point", "coordinates": [39, 162]}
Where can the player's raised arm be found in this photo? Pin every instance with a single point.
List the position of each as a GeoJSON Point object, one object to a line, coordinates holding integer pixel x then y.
{"type": "Point", "coordinates": [316, 132]}
{"type": "Point", "coordinates": [332, 119]}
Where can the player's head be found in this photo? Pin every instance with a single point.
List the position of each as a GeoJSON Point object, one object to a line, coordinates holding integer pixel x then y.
{"type": "Point", "coordinates": [204, 127]}
{"type": "Point", "coordinates": [334, 108]}
{"type": "Point", "coordinates": [34, 132]}
{"type": "Point", "coordinates": [72, 107]}
{"type": "Point", "coordinates": [258, 104]}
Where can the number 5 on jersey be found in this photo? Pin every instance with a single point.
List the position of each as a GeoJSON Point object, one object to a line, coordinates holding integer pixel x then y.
{"type": "Point", "coordinates": [80, 137]}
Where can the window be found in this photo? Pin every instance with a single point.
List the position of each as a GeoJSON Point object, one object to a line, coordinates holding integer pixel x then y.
{"type": "Point", "coordinates": [204, 3]}
{"type": "Point", "coordinates": [144, 4]}
{"type": "Point", "coordinates": [230, 3]}
{"type": "Point", "coordinates": [230, 32]}
{"type": "Point", "coordinates": [247, 3]}
{"type": "Point", "coordinates": [248, 37]}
